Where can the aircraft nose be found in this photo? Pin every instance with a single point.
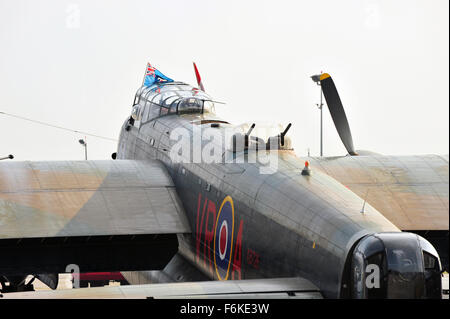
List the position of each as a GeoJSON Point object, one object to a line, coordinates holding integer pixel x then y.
{"type": "Point", "coordinates": [401, 265]}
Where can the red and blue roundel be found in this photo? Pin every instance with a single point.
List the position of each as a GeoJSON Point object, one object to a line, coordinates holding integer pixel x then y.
{"type": "Point", "coordinates": [223, 238]}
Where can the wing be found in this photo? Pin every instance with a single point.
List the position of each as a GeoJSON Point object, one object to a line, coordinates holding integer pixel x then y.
{"type": "Point", "coordinates": [95, 214]}
{"type": "Point", "coordinates": [252, 288]}
{"type": "Point", "coordinates": [411, 191]}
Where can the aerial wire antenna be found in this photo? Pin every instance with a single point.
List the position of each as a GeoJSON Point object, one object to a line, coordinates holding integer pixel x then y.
{"type": "Point", "coordinates": [365, 200]}
{"type": "Point", "coordinates": [10, 156]}
{"type": "Point", "coordinates": [58, 127]}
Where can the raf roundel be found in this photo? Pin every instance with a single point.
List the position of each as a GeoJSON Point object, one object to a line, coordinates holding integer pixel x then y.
{"type": "Point", "coordinates": [223, 238]}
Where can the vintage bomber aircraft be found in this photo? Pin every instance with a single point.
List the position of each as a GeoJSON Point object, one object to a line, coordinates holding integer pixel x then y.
{"type": "Point", "coordinates": [320, 225]}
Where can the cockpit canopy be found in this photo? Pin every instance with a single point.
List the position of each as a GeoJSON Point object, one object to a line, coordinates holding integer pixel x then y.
{"type": "Point", "coordinates": [169, 98]}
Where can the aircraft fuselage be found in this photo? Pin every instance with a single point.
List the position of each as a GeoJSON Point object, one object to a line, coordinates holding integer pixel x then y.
{"type": "Point", "coordinates": [246, 224]}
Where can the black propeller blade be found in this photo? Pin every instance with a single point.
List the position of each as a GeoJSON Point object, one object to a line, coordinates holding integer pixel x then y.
{"type": "Point", "coordinates": [337, 112]}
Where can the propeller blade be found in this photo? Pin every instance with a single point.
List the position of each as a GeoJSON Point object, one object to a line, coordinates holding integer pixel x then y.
{"type": "Point", "coordinates": [199, 79]}
{"type": "Point", "coordinates": [337, 112]}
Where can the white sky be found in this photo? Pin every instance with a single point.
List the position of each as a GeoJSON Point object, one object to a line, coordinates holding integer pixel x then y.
{"type": "Point", "coordinates": [78, 64]}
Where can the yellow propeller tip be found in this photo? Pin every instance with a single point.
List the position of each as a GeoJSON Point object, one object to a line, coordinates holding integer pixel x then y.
{"type": "Point", "coordinates": [324, 76]}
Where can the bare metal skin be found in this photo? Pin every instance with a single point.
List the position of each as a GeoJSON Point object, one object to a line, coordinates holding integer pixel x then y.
{"type": "Point", "coordinates": [225, 220]}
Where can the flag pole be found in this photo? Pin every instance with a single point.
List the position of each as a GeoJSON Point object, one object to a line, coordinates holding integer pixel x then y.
{"type": "Point", "coordinates": [145, 73]}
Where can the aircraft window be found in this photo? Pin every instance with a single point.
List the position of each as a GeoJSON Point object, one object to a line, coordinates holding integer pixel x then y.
{"type": "Point", "coordinates": [137, 99]}
{"type": "Point", "coordinates": [429, 261]}
{"type": "Point", "coordinates": [156, 99]}
{"type": "Point", "coordinates": [163, 94]}
{"type": "Point", "coordinates": [171, 98]}
{"type": "Point", "coordinates": [159, 110]}
{"type": "Point", "coordinates": [174, 105]}
{"type": "Point", "coordinates": [209, 106]}
{"type": "Point", "coordinates": [140, 91]}
{"type": "Point", "coordinates": [185, 93]}
{"type": "Point", "coordinates": [145, 112]}
{"type": "Point", "coordinates": [154, 111]}
{"type": "Point", "coordinates": [358, 279]}
{"type": "Point", "coordinates": [135, 112]}
{"type": "Point", "coordinates": [168, 101]}
{"type": "Point", "coordinates": [148, 106]}
{"type": "Point", "coordinates": [405, 267]}
{"type": "Point", "coordinates": [139, 94]}
{"type": "Point", "coordinates": [190, 105]}
{"type": "Point", "coordinates": [144, 94]}
{"type": "Point", "coordinates": [148, 93]}
{"type": "Point", "coordinates": [164, 111]}
{"type": "Point", "coordinates": [432, 276]}
{"type": "Point", "coordinates": [380, 261]}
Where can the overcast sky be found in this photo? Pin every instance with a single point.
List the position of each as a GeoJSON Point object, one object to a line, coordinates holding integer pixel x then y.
{"type": "Point", "coordinates": [78, 64]}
